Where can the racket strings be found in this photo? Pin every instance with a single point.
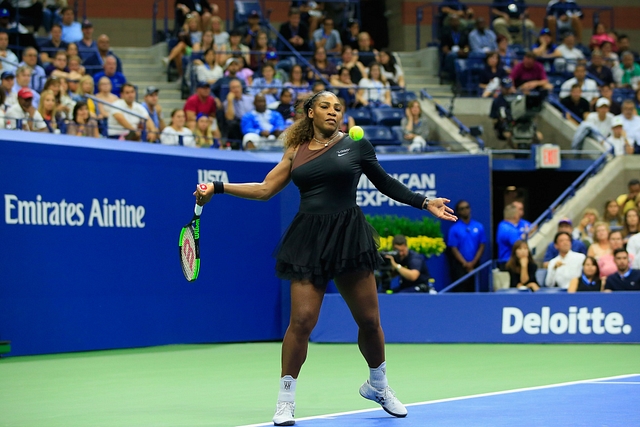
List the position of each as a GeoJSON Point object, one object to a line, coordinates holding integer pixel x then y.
{"type": "Point", "coordinates": [188, 252]}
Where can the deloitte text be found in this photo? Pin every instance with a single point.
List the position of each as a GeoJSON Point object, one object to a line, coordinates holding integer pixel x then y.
{"type": "Point", "coordinates": [577, 321]}
{"type": "Point", "coordinates": [368, 195]}
{"type": "Point", "coordinates": [62, 213]}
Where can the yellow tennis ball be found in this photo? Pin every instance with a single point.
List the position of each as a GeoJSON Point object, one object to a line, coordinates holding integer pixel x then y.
{"type": "Point", "coordinates": [356, 133]}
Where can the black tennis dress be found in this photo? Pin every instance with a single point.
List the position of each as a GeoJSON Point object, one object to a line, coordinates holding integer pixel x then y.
{"type": "Point", "coordinates": [329, 235]}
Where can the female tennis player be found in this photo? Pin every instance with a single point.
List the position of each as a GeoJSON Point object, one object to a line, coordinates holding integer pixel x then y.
{"type": "Point", "coordinates": [329, 238]}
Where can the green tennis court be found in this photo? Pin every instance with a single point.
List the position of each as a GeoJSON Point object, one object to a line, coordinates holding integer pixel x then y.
{"type": "Point", "coordinates": [236, 384]}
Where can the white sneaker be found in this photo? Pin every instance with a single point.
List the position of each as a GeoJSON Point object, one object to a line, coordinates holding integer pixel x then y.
{"type": "Point", "coordinates": [385, 397]}
{"type": "Point", "coordinates": [165, 61]}
{"type": "Point", "coordinates": [284, 414]}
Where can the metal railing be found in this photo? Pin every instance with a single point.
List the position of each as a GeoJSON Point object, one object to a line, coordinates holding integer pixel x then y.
{"type": "Point", "coordinates": [165, 19]}
{"type": "Point", "coordinates": [464, 130]}
{"type": "Point", "coordinates": [475, 273]}
{"type": "Point", "coordinates": [143, 120]}
{"type": "Point", "coordinates": [595, 167]}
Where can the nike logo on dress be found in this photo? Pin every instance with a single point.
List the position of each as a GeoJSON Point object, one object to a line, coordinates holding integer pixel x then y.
{"type": "Point", "coordinates": [343, 152]}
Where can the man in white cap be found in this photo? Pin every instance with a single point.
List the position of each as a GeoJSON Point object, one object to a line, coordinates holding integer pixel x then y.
{"type": "Point", "coordinates": [618, 140]}
{"type": "Point", "coordinates": [601, 119]}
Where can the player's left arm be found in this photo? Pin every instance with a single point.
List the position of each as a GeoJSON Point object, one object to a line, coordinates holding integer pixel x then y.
{"type": "Point", "coordinates": [393, 188]}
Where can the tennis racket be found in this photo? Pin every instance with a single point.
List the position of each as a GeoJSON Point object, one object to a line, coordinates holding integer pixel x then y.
{"type": "Point", "coordinates": [189, 246]}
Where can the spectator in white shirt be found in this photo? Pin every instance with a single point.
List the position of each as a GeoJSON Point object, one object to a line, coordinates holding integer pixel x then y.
{"type": "Point", "coordinates": [177, 133]}
{"type": "Point", "coordinates": [567, 53]}
{"type": "Point", "coordinates": [630, 121]}
{"type": "Point", "coordinates": [130, 121]}
{"type": "Point", "coordinates": [618, 141]}
{"type": "Point", "coordinates": [566, 266]}
{"type": "Point", "coordinates": [9, 61]}
{"type": "Point", "coordinates": [601, 119]}
{"type": "Point", "coordinates": [633, 248]}
{"type": "Point", "coordinates": [589, 86]}
{"type": "Point", "coordinates": [208, 71]}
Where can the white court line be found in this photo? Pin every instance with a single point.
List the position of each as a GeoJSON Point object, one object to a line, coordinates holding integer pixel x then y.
{"type": "Point", "coordinates": [614, 382]}
{"type": "Point", "coordinates": [452, 399]}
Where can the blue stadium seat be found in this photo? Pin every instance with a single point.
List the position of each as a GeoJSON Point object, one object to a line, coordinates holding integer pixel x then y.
{"type": "Point", "coordinates": [391, 149]}
{"type": "Point", "coordinates": [620, 94]}
{"type": "Point", "coordinates": [400, 98]}
{"type": "Point", "coordinates": [397, 132]}
{"type": "Point", "coordinates": [387, 116]}
{"type": "Point", "coordinates": [556, 80]}
{"type": "Point", "coordinates": [362, 116]}
{"type": "Point", "coordinates": [41, 40]}
{"type": "Point", "coordinates": [380, 135]}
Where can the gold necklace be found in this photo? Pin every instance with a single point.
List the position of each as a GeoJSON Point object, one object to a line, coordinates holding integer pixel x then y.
{"type": "Point", "coordinates": [326, 143]}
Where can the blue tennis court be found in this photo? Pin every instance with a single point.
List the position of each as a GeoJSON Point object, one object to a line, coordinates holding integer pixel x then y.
{"type": "Point", "coordinates": [610, 402]}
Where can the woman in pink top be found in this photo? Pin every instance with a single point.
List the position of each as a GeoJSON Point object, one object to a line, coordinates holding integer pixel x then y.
{"type": "Point", "coordinates": [606, 262]}
{"type": "Point", "coordinates": [600, 36]}
{"type": "Point", "coordinates": [600, 245]}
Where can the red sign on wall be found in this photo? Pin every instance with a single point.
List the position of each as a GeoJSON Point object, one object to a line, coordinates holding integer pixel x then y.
{"type": "Point", "coordinates": [548, 156]}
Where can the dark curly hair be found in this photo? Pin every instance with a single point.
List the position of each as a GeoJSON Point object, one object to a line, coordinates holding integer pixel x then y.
{"type": "Point", "coordinates": [302, 130]}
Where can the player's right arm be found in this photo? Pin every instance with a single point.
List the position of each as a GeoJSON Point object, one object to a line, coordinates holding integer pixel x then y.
{"type": "Point", "coordinates": [273, 183]}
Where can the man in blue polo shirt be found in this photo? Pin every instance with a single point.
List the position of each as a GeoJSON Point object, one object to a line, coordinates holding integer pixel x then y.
{"type": "Point", "coordinates": [625, 279]}
{"type": "Point", "coordinates": [466, 243]}
{"type": "Point", "coordinates": [576, 245]}
{"type": "Point", "coordinates": [508, 233]}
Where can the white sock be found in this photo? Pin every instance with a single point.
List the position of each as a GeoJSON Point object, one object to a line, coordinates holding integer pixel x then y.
{"type": "Point", "coordinates": [378, 376]}
{"type": "Point", "coordinates": [287, 391]}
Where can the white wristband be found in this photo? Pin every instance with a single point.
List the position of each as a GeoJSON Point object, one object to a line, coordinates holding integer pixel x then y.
{"type": "Point", "coordinates": [398, 267]}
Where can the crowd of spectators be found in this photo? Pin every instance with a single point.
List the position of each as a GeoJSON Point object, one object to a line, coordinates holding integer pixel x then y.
{"type": "Point", "coordinates": [558, 59]}
{"type": "Point", "coordinates": [600, 253]}
{"type": "Point", "coordinates": [252, 73]}
{"type": "Point", "coordinates": [235, 79]}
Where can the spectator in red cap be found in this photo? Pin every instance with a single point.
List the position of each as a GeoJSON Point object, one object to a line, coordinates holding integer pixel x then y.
{"type": "Point", "coordinates": [25, 112]}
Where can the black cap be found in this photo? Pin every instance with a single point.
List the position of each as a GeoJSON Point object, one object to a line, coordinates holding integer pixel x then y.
{"type": "Point", "coordinates": [202, 84]}
{"type": "Point", "coordinates": [151, 90]}
{"type": "Point", "coordinates": [506, 83]}
{"type": "Point", "coordinates": [86, 24]}
{"type": "Point", "coordinates": [7, 75]}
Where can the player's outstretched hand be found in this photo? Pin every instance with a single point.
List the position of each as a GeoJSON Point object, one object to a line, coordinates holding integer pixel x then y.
{"type": "Point", "coordinates": [439, 209]}
{"type": "Point", "coordinates": [203, 193]}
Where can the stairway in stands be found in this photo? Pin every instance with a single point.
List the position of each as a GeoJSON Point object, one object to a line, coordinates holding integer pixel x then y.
{"type": "Point", "coordinates": [417, 77]}
{"type": "Point", "coordinates": [143, 67]}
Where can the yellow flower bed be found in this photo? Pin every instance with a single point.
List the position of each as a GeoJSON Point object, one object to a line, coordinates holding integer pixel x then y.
{"type": "Point", "coordinates": [422, 244]}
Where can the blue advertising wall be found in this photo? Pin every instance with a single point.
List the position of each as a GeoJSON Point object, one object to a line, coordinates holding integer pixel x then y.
{"type": "Point", "coordinates": [90, 231]}
{"type": "Point", "coordinates": [492, 318]}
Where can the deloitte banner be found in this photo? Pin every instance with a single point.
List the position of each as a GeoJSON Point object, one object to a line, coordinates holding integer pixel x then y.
{"type": "Point", "coordinates": [492, 318]}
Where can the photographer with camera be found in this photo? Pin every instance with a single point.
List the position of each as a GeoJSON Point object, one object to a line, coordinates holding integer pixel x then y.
{"type": "Point", "coordinates": [409, 265]}
{"type": "Point", "coordinates": [501, 110]}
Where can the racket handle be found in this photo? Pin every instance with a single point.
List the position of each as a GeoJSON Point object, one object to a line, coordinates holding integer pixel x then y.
{"type": "Point", "coordinates": [198, 210]}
